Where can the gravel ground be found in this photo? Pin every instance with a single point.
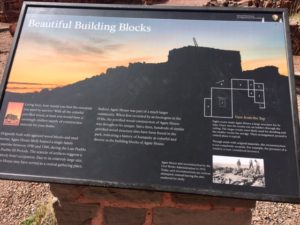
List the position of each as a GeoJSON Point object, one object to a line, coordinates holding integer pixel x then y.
{"type": "Point", "coordinates": [269, 213]}
{"type": "Point", "coordinates": [18, 200]}
{"type": "Point", "coordinates": [5, 43]}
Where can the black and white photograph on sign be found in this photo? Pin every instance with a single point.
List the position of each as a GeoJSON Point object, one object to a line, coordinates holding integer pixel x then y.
{"type": "Point", "coordinates": [238, 171]}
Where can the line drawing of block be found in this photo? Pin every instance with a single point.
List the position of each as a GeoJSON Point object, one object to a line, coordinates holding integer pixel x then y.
{"type": "Point", "coordinates": [251, 84]}
{"type": "Point", "coordinates": [239, 84]}
{"type": "Point", "coordinates": [259, 86]}
{"type": "Point", "coordinates": [251, 88]}
{"type": "Point", "coordinates": [207, 107]}
{"type": "Point", "coordinates": [220, 103]}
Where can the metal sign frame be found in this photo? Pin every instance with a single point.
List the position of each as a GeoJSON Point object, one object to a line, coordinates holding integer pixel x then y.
{"type": "Point", "coordinates": [160, 12]}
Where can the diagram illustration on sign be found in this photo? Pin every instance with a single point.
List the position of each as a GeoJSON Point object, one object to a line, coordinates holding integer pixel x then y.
{"type": "Point", "coordinates": [221, 100]}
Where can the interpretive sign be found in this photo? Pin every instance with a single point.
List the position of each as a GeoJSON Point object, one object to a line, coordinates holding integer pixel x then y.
{"type": "Point", "coordinates": [172, 99]}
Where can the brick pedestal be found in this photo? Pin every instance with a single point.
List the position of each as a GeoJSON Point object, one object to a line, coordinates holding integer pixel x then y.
{"type": "Point", "coordinates": [82, 205]}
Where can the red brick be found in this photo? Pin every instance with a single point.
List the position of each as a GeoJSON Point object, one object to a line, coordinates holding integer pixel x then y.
{"type": "Point", "coordinates": [117, 194]}
{"type": "Point", "coordinates": [124, 216]}
{"type": "Point", "coordinates": [66, 192]}
{"type": "Point", "coordinates": [216, 202]}
{"type": "Point", "coordinates": [75, 214]}
{"type": "Point", "coordinates": [172, 216]}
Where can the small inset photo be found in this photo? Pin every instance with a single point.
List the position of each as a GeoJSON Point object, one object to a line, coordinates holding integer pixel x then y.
{"type": "Point", "coordinates": [13, 113]}
{"type": "Point", "coordinates": [238, 171]}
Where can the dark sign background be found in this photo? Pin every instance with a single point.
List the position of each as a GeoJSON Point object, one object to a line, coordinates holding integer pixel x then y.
{"type": "Point", "coordinates": [172, 105]}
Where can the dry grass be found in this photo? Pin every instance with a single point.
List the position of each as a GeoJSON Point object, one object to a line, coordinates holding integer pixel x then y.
{"type": "Point", "coordinates": [295, 19]}
{"type": "Point", "coordinates": [44, 215]}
